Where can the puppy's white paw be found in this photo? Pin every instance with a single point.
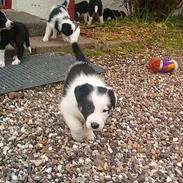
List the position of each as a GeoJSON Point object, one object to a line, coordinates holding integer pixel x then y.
{"type": "Point", "coordinates": [45, 39]}
{"type": "Point", "coordinates": [2, 64]}
{"type": "Point", "coordinates": [89, 23]}
{"type": "Point", "coordinates": [90, 135]}
{"type": "Point", "coordinates": [65, 39]}
{"type": "Point", "coordinates": [53, 36]}
{"type": "Point", "coordinates": [101, 20]}
{"type": "Point", "coordinates": [16, 62]}
{"type": "Point", "coordinates": [77, 136]}
{"type": "Point", "coordinates": [90, 20]}
{"type": "Point", "coordinates": [15, 57]}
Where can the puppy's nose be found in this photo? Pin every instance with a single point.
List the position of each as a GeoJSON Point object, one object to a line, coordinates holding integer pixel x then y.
{"type": "Point", "coordinates": [94, 125]}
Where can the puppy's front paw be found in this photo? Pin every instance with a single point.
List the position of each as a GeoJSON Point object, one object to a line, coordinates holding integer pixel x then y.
{"type": "Point", "coordinates": [77, 136]}
{"type": "Point", "coordinates": [65, 38]}
{"type": "Point", "coordinates": [2, 64]}
{"type": "Point", "coordinates": [15, 57]}
{"type": "Point", "coordinates": [16, 62]}
{"type": "Point", "coordinates": [45, 39]}
{"type": "Point", "coordinates": [53, 36]}
{"type": "Point", "coordinates": [90, 135]}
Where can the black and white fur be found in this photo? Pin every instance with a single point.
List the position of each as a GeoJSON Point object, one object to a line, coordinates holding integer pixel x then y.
{"type": "Point", "coordinates": [110, 14]}
{"type": "Point", "coordinates": [95, 9]}
{"type": "Point", "coordinates": [16, 34]}
{"type": "Point", "coordinates": [81, 9]}
{"type": "Point", "coordinates": [59, 22]}
{"type": "Point", "coordinates": [87, 100]}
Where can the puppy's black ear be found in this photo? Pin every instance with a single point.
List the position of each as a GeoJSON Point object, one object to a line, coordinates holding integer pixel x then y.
{"type": "Point", "coordinates": [113, 98]}
{"type": "Point", "coordinates": [82, 91]}
{"type": "Point", "coordinates": [67, 29]}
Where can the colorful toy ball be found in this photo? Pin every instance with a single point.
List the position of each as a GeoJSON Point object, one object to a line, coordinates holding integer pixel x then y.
{"type": "Point", "coordinates": [165, 65]}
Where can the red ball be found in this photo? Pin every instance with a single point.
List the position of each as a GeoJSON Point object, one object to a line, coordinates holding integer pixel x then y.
{"type": "Point", "coordinates": [154, 64]}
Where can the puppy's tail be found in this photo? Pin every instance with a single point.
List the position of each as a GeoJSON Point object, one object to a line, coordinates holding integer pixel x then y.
{"type": "Point", "coordinates": [73, 39]}
{"type": "Point", "coordinates": [78, 53]}
{"type": "Point", "coordinates": [27, 44]}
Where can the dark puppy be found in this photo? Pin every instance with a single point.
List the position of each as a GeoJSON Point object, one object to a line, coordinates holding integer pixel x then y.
{"type": "Point", "coordinates": [113, 14]}
{"type": "Point", "coordinates": [95, 9]}
{"type": "Point", "coordinates": [81, 9]}
{"type": "Point", "coordinates": [16, 34]}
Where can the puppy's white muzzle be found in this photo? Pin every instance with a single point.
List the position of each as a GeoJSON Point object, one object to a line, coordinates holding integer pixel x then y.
{"type": "Point", "coordinates": [95, 122]}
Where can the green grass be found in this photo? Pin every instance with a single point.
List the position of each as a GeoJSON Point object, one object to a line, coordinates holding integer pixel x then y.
{"type": "Point", "coordinates": [167, 34]}
{"type": "Point", "coordinates": [125, 49]}
{"type": "Point", "coordinates": [173, 33]}
{"type": "Point", "coordinates": [93, 52]}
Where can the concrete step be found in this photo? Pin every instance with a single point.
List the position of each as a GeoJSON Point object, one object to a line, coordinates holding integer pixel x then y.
{"type": "Point", "coordinates": [56, 45]}
{"type": "Point", "coordinates": [35, 24]}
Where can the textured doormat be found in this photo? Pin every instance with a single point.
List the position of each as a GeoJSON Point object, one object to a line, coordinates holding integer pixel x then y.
{"type": "Point", "coordinates": [36, 70]}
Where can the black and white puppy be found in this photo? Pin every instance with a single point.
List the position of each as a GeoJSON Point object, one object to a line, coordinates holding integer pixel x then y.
{"type": "Point", "coordinates": [110, 14]}
{"type": "Point", "coordinates": [81, 9]}
{"type": "Point", "coordinates": [87, 100]}
{"type": "Point", "coordinates": [95, 9]}
{"type": "Point", "coordinates": [59, 22]}
{"type": "Point", "coordinates": [16, 34]}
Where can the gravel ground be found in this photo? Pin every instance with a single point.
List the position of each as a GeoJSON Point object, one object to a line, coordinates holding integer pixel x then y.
{"type": "Point", "coordinates": [142, 141]}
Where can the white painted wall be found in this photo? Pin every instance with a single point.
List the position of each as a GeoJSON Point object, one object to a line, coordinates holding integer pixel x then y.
{"type": "Point", "coordinates": [40, 8]}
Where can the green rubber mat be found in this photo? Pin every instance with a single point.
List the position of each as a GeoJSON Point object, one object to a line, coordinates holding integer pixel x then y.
{"type": "Point", "coordinates": [36, 70]}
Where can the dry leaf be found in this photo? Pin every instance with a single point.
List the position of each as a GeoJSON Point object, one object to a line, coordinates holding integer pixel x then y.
{"type": "Point", "coordinates": [15, 95]}
{"type": "Point", "coordinates": [99, 164]}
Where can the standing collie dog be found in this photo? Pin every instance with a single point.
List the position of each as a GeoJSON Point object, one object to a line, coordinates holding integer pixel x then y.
{"type": "Point", "coordinates": [87, 100]}
{"type": "Point", "coordinates": [81, 9]}
{"type": "Point", "coordinates": [59, 22]}
{"type": "Point", "coordinates": [16, 34]}
{"type": "Point", "coordinates": [95, 10]}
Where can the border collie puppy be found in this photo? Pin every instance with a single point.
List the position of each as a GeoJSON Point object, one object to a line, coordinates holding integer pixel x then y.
{"type": "Point", "coordinates": [59, 22]}
{"type": "Point", "coordinates": [113, 14]}
{"type": "Point", "coordinates": [87, 100]}
{"type": "Point", "coordinates": [95, 10]}
{"type": "Point", "coordinates": [16, 34]}
{"type": "Point", "coordinates": [81, 9]}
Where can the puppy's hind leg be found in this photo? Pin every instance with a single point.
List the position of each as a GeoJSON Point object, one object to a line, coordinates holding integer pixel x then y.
{"type": "Point", "coordinates": [101, 19]}
{"type": "Point", "coordinates": [47, 32]}
{"type": "Point", "coordinates": [90, 20]}
{"type": "Point", "coordinates": [86, 17]}
{"type": "Point", "coordinates": [2, 55]}
{"type": "Point", "coordinates": [20, 52]}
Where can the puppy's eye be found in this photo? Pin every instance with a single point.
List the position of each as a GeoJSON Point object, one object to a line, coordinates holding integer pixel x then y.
{"type": "Point", "coordinates": [106, 110]}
